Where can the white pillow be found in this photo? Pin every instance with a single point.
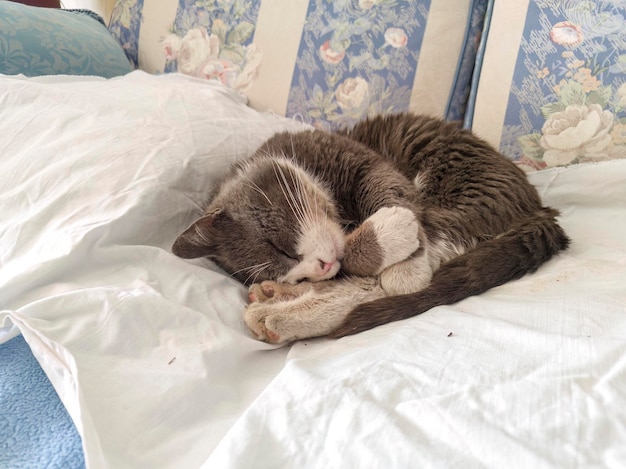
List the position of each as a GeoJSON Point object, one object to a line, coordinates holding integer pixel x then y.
{"type": "Point", "coordinates": [90, 164]}
{"type": "Point", "coordinates": [99, 177]}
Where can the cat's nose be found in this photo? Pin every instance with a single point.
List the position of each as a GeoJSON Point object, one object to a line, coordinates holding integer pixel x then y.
{"type": "Point", "coordinates": [325, 266]}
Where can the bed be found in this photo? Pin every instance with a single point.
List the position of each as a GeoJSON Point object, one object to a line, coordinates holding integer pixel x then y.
{"type": "Point", "coordinates": [146, 357]}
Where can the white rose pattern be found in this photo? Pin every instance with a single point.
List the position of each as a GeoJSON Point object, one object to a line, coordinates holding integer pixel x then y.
{"type": "Point", "coordinates": [352, 95]}
{"type": "Point", "coordinates": [396, 37]}
{"type": "Point", "coordinates": [367, 4]}
{"type": "Point", "coordinates": [566, 33]}
{"type": "Point", "coordinates": [577, 132]}
{"type": "Point", "coordinates": [171, 45]}
{"type": "Point", "coordinates": [567, 97]}
{"type": "Point", "coordinates": [195, 49]}
{"type": "Point", "coordinates": [198, 54]}
{"type": "Point", "coordinates": [329, 55]}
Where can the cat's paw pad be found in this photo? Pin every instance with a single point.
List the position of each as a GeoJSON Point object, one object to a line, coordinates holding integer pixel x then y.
{"type": "Point", "coordinates": [397, 231]}
{"type": "Point", "coordinates": [262, 323]}
{"type": "Point", "coordinates": [261, 292]}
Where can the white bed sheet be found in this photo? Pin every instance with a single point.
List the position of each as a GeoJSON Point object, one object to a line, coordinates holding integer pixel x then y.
{"type": "Point", "coordinates": [151, 357]}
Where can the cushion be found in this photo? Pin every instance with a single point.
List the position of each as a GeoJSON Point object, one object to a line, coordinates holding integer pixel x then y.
{"type": "Point", "coordinates": [552, 90]}
{"type": "Point", "coordinates": [329, 64]}
{"type": "Point", "coordinates": [42, 41]}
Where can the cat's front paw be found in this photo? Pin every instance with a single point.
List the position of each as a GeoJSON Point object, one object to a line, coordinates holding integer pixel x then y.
{"type": "Point", "coordinates": [397, 231]}
{"type": "Point", "coordinates": [387, 237]}
{"type": "Point", "coordinates": [261, 292]}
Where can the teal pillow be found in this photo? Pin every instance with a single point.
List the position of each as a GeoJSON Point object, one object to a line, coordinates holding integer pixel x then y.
{"type": "Point", "coordinates": [43, 41]}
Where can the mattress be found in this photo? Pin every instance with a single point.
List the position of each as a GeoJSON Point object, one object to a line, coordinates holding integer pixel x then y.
{"type": "Point", "coordinates": [151, 358]}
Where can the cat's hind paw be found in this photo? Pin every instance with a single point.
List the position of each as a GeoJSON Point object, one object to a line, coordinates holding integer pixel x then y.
{"type": "Point", "coordinates": [264, 325]}
{"type": "Point", "coordinates": [272, 314]}
{"type": "Point", "coordinates": [409, 276]}
{"type": "Point", "coordinates": [294, 312]}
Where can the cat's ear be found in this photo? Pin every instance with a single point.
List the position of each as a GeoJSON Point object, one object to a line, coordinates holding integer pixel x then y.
{"type": "Point", "coordinates": [196, 241]}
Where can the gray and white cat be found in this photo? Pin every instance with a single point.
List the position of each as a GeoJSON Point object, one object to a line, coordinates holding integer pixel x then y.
{"type": "Point", "coordinates": [347, 231]}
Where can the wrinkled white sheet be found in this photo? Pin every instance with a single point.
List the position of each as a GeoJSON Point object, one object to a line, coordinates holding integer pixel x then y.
{"type": "Point", "coordinates": [151, 357]}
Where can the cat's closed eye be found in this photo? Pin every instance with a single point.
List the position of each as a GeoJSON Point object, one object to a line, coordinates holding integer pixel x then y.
{"type": "Point", "coordinates": [290, 256]}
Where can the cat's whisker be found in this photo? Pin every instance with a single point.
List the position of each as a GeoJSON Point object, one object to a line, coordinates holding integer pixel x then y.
{"type": "Point", "coordinates": [288, 193]}
{"type": "Point", "coordinates": [299, 198]}
{"type": "Point", "coordinates": [252, 185]}
{"type": "Point", "coordinates": [258, 272]}
{"type": "Point", "coordinates": [304, 201]}
{"type": "Point", "coordinates": [298, 201]}
{"type": "Point", "coordinates": [252, 267]}
{"type": "Point", "coordinates": [310, 220]}
{"type": "Point", "coordinates": [258, 269]}
{"type": "Point", "coordinates": [325, 225]}
{"type": "Point", "coordinates": [277, 169]}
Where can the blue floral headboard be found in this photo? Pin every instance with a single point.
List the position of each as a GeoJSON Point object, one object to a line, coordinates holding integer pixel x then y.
{"type": "Point", "coordinates": [327, 63]}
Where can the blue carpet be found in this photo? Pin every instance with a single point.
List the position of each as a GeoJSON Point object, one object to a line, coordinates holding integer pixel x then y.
{"type": "Point", "coordinates": [35, 429]}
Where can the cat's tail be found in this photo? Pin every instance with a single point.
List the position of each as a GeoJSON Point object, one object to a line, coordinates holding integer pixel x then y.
{"type": "Point", "coordinates": [520, 250]}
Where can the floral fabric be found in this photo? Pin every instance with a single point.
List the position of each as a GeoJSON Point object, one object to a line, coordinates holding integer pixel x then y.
{"type": "Point", "coordinates": [462, 83]}
{"type": "Point", "coordinates": [335, 63]}
{"type": "Point", "coordinates": [567, 102]}
{"type": "Point", "coordinates": [126, 19]}
{"type": "Point", "coordinates": [41, 41]}
{"type": "Point", "coordinates": [219, 49]}
{"type": "Point", "coordinates": [355, 59]}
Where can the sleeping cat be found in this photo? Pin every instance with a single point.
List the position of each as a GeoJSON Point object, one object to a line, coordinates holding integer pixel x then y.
{"type": "Point", "coordinates": [411, 212]}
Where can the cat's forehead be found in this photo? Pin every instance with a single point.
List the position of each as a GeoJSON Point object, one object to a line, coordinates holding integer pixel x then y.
{"type": "Point", "coordinates": [272, 189]}
{"type": "Point", "coordinates": [270, 179]}
{"type": "Point", "coordinates": [255, 188]}
{"type": "Point", "coordinates": [268, 167]}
